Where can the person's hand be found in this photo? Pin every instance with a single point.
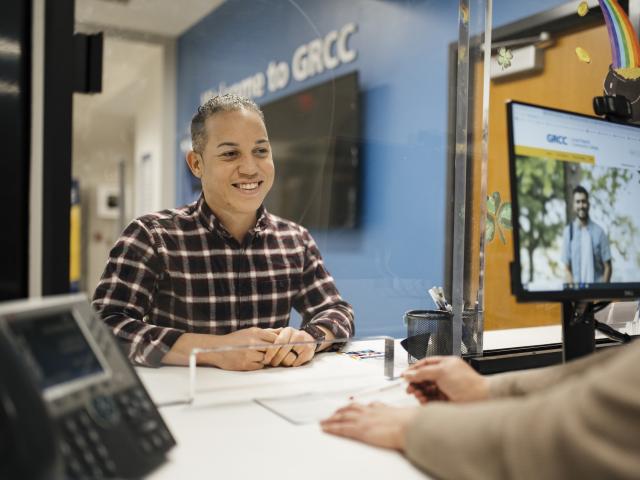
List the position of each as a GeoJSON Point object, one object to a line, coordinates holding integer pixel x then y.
{"type": "Point", "coordinates": [445, 378]}
{"type": "Point", "coordinates": [376, 424]}
{"type": "Point", "coordinates": [288, 355]}
{"type": "Point", "coordinates": [244, 359]}
{"type": "Point", "coordinates": [426, 392]}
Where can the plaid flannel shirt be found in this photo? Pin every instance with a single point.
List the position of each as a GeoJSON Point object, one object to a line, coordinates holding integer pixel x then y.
{"type": "Point", "coordinates": [180, 271]}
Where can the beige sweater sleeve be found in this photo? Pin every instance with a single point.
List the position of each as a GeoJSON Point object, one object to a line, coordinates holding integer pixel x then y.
{"type": "Point", "coordinates": [586, 426]}
{"type": "Point", "coordinates": [530, 381]}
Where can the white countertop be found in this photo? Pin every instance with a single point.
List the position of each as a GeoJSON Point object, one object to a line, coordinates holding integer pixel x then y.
{"type": "Point", "coordinates": [226, 433]}
{"type": "Point", "coordinates": [522, 337]}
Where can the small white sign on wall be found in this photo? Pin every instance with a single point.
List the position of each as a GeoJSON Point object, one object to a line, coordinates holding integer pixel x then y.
{"type": "Point", "coordinates": [107, 202]}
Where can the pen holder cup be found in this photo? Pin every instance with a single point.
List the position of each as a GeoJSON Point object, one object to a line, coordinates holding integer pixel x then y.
{"type": "Point", "coordinates": [430, 332]}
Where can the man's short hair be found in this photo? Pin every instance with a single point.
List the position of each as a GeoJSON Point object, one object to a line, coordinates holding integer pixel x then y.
{"type": "Point", "coordinates": [221, 103]}
{"type": "Point", "coordinates": [580, 189]}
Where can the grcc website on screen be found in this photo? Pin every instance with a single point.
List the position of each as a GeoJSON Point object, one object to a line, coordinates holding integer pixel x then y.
{"type": "Point", "coordinates": [564, 244]}
{"type": "Point", "coordinates": [560, 136]}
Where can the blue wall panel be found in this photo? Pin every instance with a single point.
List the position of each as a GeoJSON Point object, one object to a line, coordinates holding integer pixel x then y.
{"type": "Point", "coordinates": [384, 267]}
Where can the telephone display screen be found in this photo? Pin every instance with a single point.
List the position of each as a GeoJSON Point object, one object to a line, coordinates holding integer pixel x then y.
{"type": "Point", "coordinates": [57, 348]}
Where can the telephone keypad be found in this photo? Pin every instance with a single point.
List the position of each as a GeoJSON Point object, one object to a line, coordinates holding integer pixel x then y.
{"type": "Point", "coordinates": [104, 409]}
{"type": "Point", "coordinates": [139, 412]}
{"type": "Point", "coordinates": [85, 454]}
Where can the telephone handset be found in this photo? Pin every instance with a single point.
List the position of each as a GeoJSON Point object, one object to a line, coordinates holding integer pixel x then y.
{"type": "Point", "coordinates": [69, 399]}
{"type": "Point", "coordinates": [27, 436]}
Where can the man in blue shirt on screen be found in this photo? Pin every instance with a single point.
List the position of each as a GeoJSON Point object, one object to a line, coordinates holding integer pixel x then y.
{"type": "Point", "coordinates": [585, 246]}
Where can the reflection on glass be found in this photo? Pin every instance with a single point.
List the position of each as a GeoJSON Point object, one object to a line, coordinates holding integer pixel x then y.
{"type": "Point", "coordinates": [314, 134]}
{"type": "Point", "coordinates": [545, 70]}
{"type": "Point", "coordinates": [365, 169]}
{"type": "Point", "coordinates": [365, 370]}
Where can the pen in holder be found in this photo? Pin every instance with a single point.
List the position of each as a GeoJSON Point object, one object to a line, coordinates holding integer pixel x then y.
{"type": "Point", "coordinates": [430, 332]}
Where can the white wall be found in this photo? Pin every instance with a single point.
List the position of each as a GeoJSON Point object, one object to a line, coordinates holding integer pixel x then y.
{"type": "Point", "coordinates": [148, 138]}
{"type": "Point", "coordinates": [100, 142]}
{"type": "Point", "coordinates": [133, 118]}
{"type": "Point", "coordinates": [154, 134]}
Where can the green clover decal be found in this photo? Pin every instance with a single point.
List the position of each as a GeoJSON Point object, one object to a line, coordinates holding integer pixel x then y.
{"type": "Point", "coordinates": [498, 217]}
{"type": "Point", "coordinates": [504, 58]}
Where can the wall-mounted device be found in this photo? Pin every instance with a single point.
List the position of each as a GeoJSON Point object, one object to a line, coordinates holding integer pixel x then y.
{"type": "Point", "coordinates": [108, 202]}
{"type": "Point", "coordinates": [315, 136]}
{"type": "Point", "coordinates": [87, 53]}
{"type": "Point", "coordinates": [92, 408]}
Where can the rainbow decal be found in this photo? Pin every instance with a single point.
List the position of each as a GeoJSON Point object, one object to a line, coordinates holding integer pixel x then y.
{"type": "Point", "coordinates": [625, 51]}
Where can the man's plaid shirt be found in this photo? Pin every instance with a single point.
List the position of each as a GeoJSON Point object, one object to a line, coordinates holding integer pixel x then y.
{"type": "Point", "coordinates": [180, 271]}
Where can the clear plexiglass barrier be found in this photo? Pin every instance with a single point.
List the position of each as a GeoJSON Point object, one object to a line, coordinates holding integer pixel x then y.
{"type": "Point", "coordinates": [361, 369]}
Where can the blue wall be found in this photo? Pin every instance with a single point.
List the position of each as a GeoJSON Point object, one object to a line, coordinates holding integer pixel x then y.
{"type": "Point", "coordinates": [384, 267]}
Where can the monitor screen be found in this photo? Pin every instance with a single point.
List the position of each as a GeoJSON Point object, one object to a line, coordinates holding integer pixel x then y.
{"type": "Point", "coordinates": [57, 349]}
{"type": "Point", "coordinates": [314, 135]}
{"type": "Point", "coordinates": [575, 185]}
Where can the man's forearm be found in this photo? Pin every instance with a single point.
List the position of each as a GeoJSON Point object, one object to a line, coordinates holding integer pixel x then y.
{"type": "Point", "coordinates": [607, 272]}
{"type": "Point", "coordinates": [144, 344]}
{"type": "Point", "coordinates": [568, 273]}
{"type": "Point", "coordinates": [179, 353]}
{"type": "Point", "coordinates": [336, 319]}
{"type": "Point", "coordinates": [328, 336]}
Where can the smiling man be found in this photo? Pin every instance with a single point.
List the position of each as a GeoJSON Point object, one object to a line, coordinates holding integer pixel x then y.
{"type": "Point", "coordinates": [585, 246]}
{"type": "Point", "coordinates": [221, 271]}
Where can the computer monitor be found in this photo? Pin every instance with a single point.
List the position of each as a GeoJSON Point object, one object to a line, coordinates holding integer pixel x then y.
{"type": "Point", "coordinates": [575, 190]}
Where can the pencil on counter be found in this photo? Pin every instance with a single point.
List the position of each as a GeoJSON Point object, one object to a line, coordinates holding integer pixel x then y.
{"type": "Point", "coordinates": [373, 390]}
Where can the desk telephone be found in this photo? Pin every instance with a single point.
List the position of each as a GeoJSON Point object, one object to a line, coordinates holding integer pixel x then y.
{"type": "Point", "coordinates": [71, 405]}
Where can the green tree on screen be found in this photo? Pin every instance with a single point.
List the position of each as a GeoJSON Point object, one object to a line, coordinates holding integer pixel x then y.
{"type": "Point", "coordinates": [541, 182]}
{"type": "Point", "coordinates": [604, 186]}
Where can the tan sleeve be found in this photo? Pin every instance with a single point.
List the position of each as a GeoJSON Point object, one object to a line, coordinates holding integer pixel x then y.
{"type": "Point", "coordinates": [584, 427]}
{"type": "Point", "coordinates": [513, 384]}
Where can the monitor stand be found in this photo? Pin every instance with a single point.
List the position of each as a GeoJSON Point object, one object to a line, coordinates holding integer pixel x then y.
{"type": "Point", "coordinates": [578, 330]}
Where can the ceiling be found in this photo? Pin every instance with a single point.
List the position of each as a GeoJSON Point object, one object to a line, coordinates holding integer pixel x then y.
{"type": "Point", "coordinates": [125, 76]}
{"type": "Point", "coordinates": [128, 60]}
{"type": "Point", "coordinates": [167, 18]}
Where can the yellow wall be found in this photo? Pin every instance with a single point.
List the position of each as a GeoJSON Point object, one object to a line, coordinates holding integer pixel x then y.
{"type": "Point", "coordinates": [565, 83]}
